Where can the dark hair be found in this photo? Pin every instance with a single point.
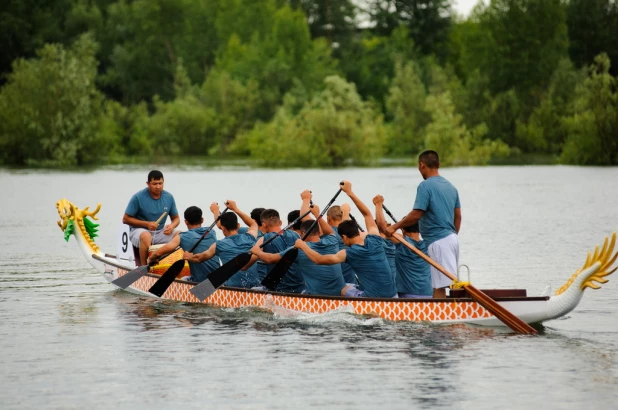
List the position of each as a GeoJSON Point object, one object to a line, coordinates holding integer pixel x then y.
{"type": "Point", "coordinates": [270, 217]}
{"type": "Point", "coordinates": [411, 228]}
{"type": "Point", "coordinates": [335, 213]}
{"type": "Point", "coordinates": [429, 158]}
{"type": "Point", "coordinates": [305, 225]}
{"type": "Point", "coordinates": [255, 215]}
{"type": "Point", "coordinates": [193, 215]}
{"type": "Point", "coordinates": [348, 228]}
{"type": "Point", "coordinates": [292, 217]}
{"type": "Point", "coordinates": [229, 221]}
{"type": "Point", "coordinates": [155, 175]}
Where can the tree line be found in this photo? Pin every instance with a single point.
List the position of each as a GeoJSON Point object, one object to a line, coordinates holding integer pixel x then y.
{"type": "Point", "coordinates": [309, 83]}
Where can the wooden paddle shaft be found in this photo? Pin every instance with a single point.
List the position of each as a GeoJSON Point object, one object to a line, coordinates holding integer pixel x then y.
{"type": "Point", "coordinates": [426, 258]}
{"type": "Point", "coordinates": [158, 221]}
{"type": "Point", "coordinates": [488, 303]}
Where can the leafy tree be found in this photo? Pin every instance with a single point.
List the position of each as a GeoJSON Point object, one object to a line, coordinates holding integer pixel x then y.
{"type": "Point", "coordinates": [593, 29]}
{"type": "Point", "coordinates": [544, 131]}
{"type": "Point", "coordinates": [26, 26]}
{"type": "Point", "coordinates": [522, 43]}
{"type": "Point", "coordinates": [333, 127]}
{"type": "Point", "coordinates": [593, 125]}
{"type": "Point", "coordinates": [406, 106]}
{"type": "Point", "coordinates": [457, 144]}
{"type": "Point", "coordinates": [278, 59]}
{"type": "Point", "coordinates": [333, 20]}
{"type": "Point", "coordinates": [144, 40]}
{"type": "Point", "coordinates": [50, 109]}
{"type": "Point", "coordinates": [370, 62]}
{"type": "Point", "coordinates": [428, 21]}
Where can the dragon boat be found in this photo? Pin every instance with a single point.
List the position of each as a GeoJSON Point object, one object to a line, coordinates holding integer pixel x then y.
{"type": "Point", "coordinates": [457, 308]}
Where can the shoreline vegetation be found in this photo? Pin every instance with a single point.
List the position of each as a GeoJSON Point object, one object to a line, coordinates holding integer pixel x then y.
{"type": "Point", "coordinates": [239, 163]}
{"type": "Point", "coordinates": [307, 83]}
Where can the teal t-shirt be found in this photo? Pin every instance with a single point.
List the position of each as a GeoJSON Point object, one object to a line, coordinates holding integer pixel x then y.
{"type": "Point", "coordinates": [348, 273]}
{"type": "Point", "coordinates": [391, 252]}
{"type": "Point", "coordinates": [438, 198]}
{"type": "Point", "coordinates": [230, 247]}
{"type": "Point", "coordinates": [293, 281]}
{"type": "Point", "coordinates": [143, 207]}
{"type": "Point", "coordinates": [188, 239]}
{"type": "Point", "coordinates": [370, 264]}
{"type": "Point", "coordinates": [321, 279]}
{"type": "Point", "coordinates": [413, 273]}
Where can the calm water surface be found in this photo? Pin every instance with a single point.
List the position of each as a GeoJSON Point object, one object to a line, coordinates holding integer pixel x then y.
{"type": "Point", "coordinates": [69, 340]}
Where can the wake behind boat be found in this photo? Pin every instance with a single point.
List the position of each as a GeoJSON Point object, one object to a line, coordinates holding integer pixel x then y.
{"type": "Point", "coordinates": [457, 308]}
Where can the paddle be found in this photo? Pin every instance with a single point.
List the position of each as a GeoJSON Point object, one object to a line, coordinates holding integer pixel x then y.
{"type": "Point", "coordinates": [354, 219]}
{"type": "Point", "coordinates": [481, 298]}
{"type": "Point", "coordinates": [127, 280]}
{"type": "Point", "coordinates": [218, 277]}
{"type": "Point", "coordinates": [164, 282]}
{"type": "Point", "coordinates": [281, 268]}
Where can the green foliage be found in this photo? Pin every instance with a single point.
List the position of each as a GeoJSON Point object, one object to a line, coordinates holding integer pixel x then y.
{"type": "Point", "coordinates": [519, 43]}
{"type": "Point", "coordinates": [50, 109]}
{"type": "Point", "coordinates": [456, 144]}
{"type": "Point", "coordinates": [428, 21]}
{"type": "Point", "coordinates": [277, 59]}
{"type": "Point", "coordinates": [370, 62]}
{"type": "Point", "coordinates": [406, 106]}
{"type": "Point", "coordinates": [106, 81]}
{"type": "Point", "coordinates": [544, 131]}
{"type": "Point", "coordinates": [592, 128]}
{"type": "Point", "coordinates": [593, 28]}
{"type": "Point", "coordinates": [334, 126]}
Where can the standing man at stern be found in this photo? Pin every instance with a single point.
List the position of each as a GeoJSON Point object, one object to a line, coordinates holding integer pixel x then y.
{"type": "Point", "coordinates": [438, 213]}
{"type": "Point", "coordinates": [144, 209]}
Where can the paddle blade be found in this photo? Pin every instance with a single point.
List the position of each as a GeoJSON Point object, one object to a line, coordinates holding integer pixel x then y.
{"type": "Point", "coordinates": [127, 280]}
{"type": "Point", "coordinates": [218, 277]}
{"type": "Point", "coordinates": [498, 311]}
{"type": "Point", "coordinates": [167, 278]}
{"type": "Point", "coordinates": [281, 268]}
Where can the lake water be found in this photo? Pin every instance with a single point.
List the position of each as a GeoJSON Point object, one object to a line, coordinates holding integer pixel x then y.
{"type": "Point", "coordinates": [70, 340]}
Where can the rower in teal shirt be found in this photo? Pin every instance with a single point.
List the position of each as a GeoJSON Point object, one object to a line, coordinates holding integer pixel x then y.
{"type": "Point", "coordinates": [366, 255]}
{"type": "Point", "coordinates": [319, 280]}
{"type": "Point", "coordinates": [233, 245]}
{"type": "Point", "coordinates": [187, 240]}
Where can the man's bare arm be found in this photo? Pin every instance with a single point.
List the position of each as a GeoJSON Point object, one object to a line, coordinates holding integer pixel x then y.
{"type": "Point", "coordinates": [319, 259]}
{"type": "Point", "coordinates": [201, 257]}
{"type": "Point", "coordinates": [372, 228]}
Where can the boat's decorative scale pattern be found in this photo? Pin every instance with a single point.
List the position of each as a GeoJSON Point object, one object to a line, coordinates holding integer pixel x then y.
{"type": "Point", "coordinates": [387, 309]}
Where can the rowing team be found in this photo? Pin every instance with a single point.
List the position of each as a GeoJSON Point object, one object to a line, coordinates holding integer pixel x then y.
{"type": "Point", "coordinates": [335, 257]}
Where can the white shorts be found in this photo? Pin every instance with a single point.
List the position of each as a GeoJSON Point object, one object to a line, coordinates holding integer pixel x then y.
{"type": "Point", "coordinates": [158, 237]}
{"type": "Point", "coordinates": [446, 252]}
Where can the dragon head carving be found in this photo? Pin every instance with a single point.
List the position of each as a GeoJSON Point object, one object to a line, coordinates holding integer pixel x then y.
{"type": "Point", "coordinates": [72, 218]}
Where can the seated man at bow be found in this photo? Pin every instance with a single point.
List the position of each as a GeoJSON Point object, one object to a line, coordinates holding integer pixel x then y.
{"type": "Point", "coordinates": [146, 214]}
{"type": "Point", "coordinates": [365, 253]}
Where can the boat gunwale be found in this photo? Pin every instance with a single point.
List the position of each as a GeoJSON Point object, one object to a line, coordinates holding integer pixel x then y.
{"type": "Point", "coordinates": [329, 297]}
